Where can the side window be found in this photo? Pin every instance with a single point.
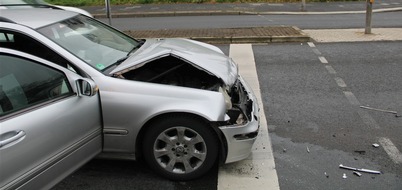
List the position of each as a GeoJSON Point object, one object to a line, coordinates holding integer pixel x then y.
{"type": "Point", "coordinates": [20, 42]}
{"type": "Point", "coordinates": [25, 83]}
{"type": "Point", "coordinates": [6, 38]}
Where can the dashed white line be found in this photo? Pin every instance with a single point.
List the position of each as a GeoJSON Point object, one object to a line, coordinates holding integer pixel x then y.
{"type": "Point", "coordinates": [340, 82]}
{"type": "Point", "coordinates": [316, 51]}
{"type": "Point", "coordinates": [368, 120]}
{"type": "Point", "coordinates": [330, 69]}
{"type": "Point", "coordinates": [311, 44]}
{"type": "Point", "coordinates": [391, 150]}
{"type": "Point", "coordinates": [352, 98]}
{"type": "Point", "coordinates": [386, 143]}
{"type": "Point", "coordinates": [322, 59]}
{"type": "Point", "coordinates": [366, 117]}
{"type": "Point", "coordinates": [129, 8]}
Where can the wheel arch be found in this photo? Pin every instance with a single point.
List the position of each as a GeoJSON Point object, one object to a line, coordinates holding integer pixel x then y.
{"type": "Point", "coordinates": [222, 152]}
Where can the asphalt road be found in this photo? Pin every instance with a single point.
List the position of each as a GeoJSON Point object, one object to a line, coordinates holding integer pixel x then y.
{"type": "Point", "coordinates": [314, 120]}
{"type": "Point", "coordinates": [315, 125]}
{"type": "Point", "coordinates": [389, 19]}
{"type": "Point", "coordinates": [240, 8]}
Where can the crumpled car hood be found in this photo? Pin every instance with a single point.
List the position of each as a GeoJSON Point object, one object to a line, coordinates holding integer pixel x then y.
{"type": "Point", "coordinates": [203, 56]}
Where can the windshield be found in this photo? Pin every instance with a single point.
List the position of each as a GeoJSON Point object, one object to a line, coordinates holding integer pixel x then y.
{"type": "Point", "coordinates": [93, 42]}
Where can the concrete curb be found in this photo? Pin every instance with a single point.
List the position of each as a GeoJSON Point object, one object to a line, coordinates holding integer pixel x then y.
{"type": "Point", "coordinates": [251, 39]}
{"type": "Point", "coordinates": [229, 35]}
{"type": "Point", "coordinates": [211, 13]}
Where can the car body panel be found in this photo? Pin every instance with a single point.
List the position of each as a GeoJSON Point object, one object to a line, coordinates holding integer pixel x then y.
{"type": "Point", "coordinates": [74, 9]}
{"type": "Point", "coordinates": [23, 16]}
{"type": "Point", "coordinates": [15, 4]}
{"type": "Point", "coordinates": [54, 132]}
{"type": "Point", "coordinates": [203, 57]}
{"type": "Point", "coordinates": [144, 101]}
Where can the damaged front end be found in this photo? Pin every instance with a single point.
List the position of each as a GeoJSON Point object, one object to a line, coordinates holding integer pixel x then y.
{"type": "Point", "coordinates": [171, 70]}
{"type": "Point", "coordinates": [242, 129]}
{"type": "Point", "coordinates": [241, 124]}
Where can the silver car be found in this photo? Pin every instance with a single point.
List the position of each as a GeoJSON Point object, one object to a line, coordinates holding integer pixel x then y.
{"type": "Point", "coordinates": [178, 104]}
{"type": "Point", "coordinates": [13, 4]}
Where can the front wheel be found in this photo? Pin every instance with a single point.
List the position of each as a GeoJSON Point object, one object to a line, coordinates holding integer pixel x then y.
{"type": "Point", "coordinates": [180, 148]}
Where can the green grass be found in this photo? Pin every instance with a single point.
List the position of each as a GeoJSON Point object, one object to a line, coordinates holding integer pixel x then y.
{"type": "Point", "coordinates": [78, 3]}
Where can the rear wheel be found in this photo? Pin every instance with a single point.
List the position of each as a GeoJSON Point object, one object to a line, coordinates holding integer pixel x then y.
{"type": "Point", "coordinates": [180, 148]}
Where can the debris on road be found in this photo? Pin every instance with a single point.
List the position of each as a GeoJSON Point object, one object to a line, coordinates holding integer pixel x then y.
{"type": "Point", "coordinates": [360, 151]}
{"type": "Point", "coordinates": [375, 145]}
{"type": "Point", "coordinates": [359, 170]}
{"type": "Point", "coordinates": [308, 150]}
{"type": "Point", "coordinates": [344, 176]}
{"type": "Point", "coordinates": [326, 175]}
{"type": "Point", "coordinates": [357, 173]}
{"type": "Point", "coordinates": [381, 110]}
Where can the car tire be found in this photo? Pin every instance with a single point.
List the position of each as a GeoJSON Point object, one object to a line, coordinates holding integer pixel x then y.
{"type": "Point", "coordinates": [180, 147]}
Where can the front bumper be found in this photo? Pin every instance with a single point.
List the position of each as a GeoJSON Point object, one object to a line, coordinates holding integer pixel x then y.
{"type": "Point", "coordinates": [240, 138]}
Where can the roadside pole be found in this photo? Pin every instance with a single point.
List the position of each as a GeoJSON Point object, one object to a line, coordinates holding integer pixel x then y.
{"type": "Point", "coordinates": [369, 11]}
{"type": "Point", "coordinates": [108, 11]}
{"type": "Point", "coordinates": [303, 5]}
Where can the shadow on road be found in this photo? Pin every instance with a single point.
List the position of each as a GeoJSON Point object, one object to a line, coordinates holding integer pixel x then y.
{"type": "Point", "coordinates": [117, 174]}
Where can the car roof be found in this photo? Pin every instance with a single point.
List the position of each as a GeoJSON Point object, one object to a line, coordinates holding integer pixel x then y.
{"type": "Point", "coordinates": [8, 2]}
{"type": "Point", "coordinates": [35, 18]}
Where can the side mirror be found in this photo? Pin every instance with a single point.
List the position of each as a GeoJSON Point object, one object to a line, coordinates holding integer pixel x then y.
{"type": "Point", "coordinates": [87, 87]}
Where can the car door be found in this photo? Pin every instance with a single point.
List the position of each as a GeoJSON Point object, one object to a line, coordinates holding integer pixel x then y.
{"type": "Point", "coordinates": [50, 121]}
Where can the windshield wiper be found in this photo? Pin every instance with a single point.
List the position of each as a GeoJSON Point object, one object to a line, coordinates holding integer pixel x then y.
{"type": "Point", "coordinates": [115, 64]}
{"type": "Point", "coordinates": [121, 60]}
{"type": "Point", "coordinates": [140, 43]}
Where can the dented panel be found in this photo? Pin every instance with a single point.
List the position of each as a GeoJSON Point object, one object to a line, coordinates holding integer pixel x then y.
{"type": "Point", "coordinates": [209, 60]}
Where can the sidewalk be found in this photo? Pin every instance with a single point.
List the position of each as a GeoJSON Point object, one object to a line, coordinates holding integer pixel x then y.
{"type": "Point", "coordinates": [256, 34]}
{"type": "Point", "coordinates": [355, 35]}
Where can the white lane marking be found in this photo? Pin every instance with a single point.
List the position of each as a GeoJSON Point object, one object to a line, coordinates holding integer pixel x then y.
{"type": "Point", "coordinates": [129, 8]}
{"type": "Point", "coordinates": [330, 69]}
{"type": "Point", "coordinates": [258, 171]}
{"type": "Point", "coordinates": [391, 150]}
{"type": "Point", "coordinates": [265, 18]}
{"type": "Point", "coordinates": [322, 59]}
{"type": "Point", "coordinates": [316, 51]}
{"type": "Point", "coordinates": [340, 82]}
{"type": "Point", "coordinates": [352, 98]}
{"type": "Point", "coordinates": [311, 44]}
{"type": "Point", "coordinates": [368, 120]}
{"type": "Point", "coordinates": [366, 117]}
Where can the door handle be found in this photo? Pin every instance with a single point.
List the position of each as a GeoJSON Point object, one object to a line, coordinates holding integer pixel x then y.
{"type": "Point", "coordinates": [10, 137]}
